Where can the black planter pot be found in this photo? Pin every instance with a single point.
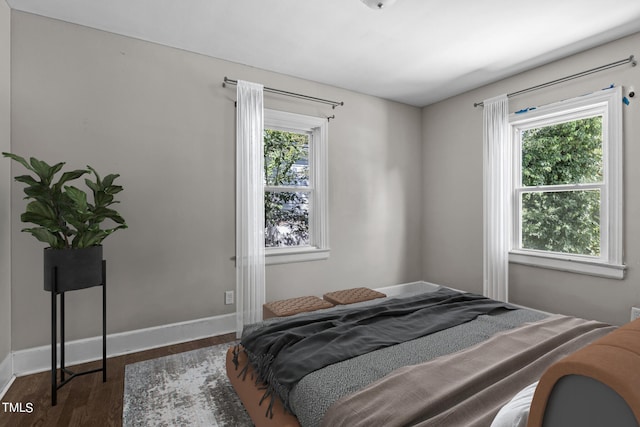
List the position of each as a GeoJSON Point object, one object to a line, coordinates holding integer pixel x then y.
{"type": "Point", "coordinates": [76, 268]}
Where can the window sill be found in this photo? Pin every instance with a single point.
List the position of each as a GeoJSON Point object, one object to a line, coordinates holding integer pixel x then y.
{"type": "Point", "coordinates": [570, 264]}
{"type": "Point", "coordinates": [289, 255]}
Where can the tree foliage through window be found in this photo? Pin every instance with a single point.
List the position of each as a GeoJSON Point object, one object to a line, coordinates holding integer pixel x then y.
{"type": "Point", "coordinates": [286, 199]}
{"type": "Point", "coordinates": [564, 154]}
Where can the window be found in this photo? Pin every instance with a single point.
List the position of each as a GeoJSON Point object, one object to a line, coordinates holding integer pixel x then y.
{"type": "Point", "coordinates": [287, 190]}
{"type": "Point", "coordinates": [295, 192]}
{"type": "Point", "coordinates": [567, 182]}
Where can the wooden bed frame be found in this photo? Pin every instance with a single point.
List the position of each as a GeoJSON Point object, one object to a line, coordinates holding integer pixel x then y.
{"type": "Point", "coordinates": [250, 395]}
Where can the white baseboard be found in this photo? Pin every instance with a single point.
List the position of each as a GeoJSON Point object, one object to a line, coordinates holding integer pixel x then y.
{"type": "Point", "coordinates": [38, 359]}
{"type": "Point", "coordinates": [6, 375]}
{"type": "Point", "coordinates": [404, 288]}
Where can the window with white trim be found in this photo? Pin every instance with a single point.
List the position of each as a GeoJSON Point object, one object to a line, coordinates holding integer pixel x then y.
{"type": "Point", "coordinates": [295, 192]}
{"type": "Point", "coordinates": [567, 185]}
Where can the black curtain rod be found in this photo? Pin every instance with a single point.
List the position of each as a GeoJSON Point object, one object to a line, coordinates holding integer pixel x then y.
{"type": "Point", "coordinates": [630, 59]}
{"type": "Point", "coordinates": [333, 104]}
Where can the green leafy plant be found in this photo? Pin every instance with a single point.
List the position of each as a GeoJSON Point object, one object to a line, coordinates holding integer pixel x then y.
{"type": "Point", "coordinates": [63, 215]}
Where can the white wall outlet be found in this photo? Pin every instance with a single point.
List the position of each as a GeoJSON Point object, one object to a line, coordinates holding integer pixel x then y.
{"type": "Point", "coordinates": [228, 297]}
{"type": "Point", "coordinates": [635, 313]}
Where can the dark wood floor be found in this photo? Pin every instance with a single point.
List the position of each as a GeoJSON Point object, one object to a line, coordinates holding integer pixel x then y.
{"type": "Point", "coordinates": [86, 400]}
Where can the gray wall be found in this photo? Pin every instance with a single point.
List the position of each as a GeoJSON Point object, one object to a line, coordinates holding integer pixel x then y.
{"type": "Point", "coordinates": [452, 240]}
{"type": "Point", "coordinates": [160, 118]}
{"type": "Point", "coordinates": [5, 182]}
{"type": "Point", "coordinates": [405, 183]}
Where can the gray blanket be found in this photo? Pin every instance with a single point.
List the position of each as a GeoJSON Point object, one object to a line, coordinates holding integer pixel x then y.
{"type": "Point", "coordinates": [466, 388]}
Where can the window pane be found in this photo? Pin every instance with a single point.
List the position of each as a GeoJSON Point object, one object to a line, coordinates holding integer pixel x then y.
{"type": "Point", "coordinates": [286, 158]}
{"type": "Point", "coordinates": [567, 221]}
{"type": "Point", "coordinates": [564, 153]}
{"type": "Point", "coordinates": [286, 219]}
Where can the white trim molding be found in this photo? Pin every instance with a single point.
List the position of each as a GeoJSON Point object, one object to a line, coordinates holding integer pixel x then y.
{"type": "Point", "coordinates": [38, 359]}
{"type": "Point", "coordinates": [295, 254]}
{"type": "Point", "coordinates": [569, 264]}
{"type": "Point", "coordinates": [405, 288]}
{"type": "Point", "coordinates": [6, 374]}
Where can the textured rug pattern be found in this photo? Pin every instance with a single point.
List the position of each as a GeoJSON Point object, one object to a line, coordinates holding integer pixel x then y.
{"type": "Point", "coordinates": [185, 389]}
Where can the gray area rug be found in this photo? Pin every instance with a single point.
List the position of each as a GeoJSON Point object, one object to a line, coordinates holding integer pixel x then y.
{"type": "Point", "coordinates": [185, 389]}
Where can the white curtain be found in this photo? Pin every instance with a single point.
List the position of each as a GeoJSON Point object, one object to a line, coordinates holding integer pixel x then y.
{"type": "Point", "coordinates": [250, 274]}
{"type": "Point", "coordinates": [496, 199]}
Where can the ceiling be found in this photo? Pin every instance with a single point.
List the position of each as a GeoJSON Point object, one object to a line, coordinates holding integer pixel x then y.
{"type": "Point", "coordinates": [416, 51]}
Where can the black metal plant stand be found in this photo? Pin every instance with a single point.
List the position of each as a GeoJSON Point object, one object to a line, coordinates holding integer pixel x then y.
{"type": "Point", "coordinates": [54, 338]}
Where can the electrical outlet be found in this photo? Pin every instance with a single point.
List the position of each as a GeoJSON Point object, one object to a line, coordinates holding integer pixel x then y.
{"type": "Point", "coordinates": [635, 313]}
{"type": "Point", "coordinates": [228, 297]}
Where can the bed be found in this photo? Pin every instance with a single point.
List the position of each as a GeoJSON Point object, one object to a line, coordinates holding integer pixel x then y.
{"type": "Point", "coordinates": [465, 370]}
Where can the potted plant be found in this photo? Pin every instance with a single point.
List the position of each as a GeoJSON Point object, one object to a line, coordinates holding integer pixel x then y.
{"type": "Point", "coordinates": [68, 221]}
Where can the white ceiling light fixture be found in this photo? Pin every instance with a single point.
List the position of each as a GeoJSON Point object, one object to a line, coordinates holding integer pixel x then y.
{"type": "Point", "coordinates": [378, 4]}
